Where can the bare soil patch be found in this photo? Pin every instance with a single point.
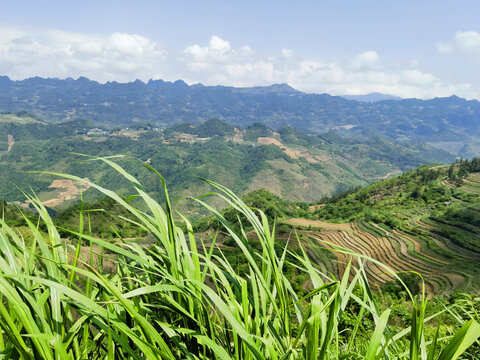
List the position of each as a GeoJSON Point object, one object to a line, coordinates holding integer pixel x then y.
{"type": "Point", "coordinates": [317, 224]}
{"type": "Point", "coordinates": [294, 154]}
{"type": "Point", "coordinates": [71, 190]}
{"type": "Point", "coordinates": [268, 141]}
{"type": "Point", "coordinates": [11, 141]}
{"type": "Point", "coordinates": [315, 207]}
{"type": "Point", "coordinates": [390, 174]}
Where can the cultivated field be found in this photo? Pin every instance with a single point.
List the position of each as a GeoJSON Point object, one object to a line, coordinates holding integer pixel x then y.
{"type": "Point", "coordinates": [11, 118]}
{"type": "Point", "coordinates": [435, 259]}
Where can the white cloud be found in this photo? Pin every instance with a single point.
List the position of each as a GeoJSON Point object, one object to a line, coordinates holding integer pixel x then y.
{"type": "Point", "coordinates": [88, 48]}
{"type": "Point", "coordinates": [219, 63]}
{"type": "Point", "coordinates": [335, 78]}
{"type": "Point", "coordinates": [126, 57]}
{"type": "Point", "coordinates": [467, 42]}
{"type": "Point", "coordinates": [361, 73]}
{"type": "Point", "coordinates": [219, 45]}
{"type": "Point", "coordinates": [24, 45]}
{"type": "Point", "coordinates": [246, 50]}
{"type": "Point", "coordinates": [218, 51]}
{"type": "Point", "coordinates": [53, 53]}
{"type": "Point", "coordinates": [287, 53]}
{"type": "Point", "coordinates": [127, 44]}
{"type": "Point", "coordinates": [364, 61]}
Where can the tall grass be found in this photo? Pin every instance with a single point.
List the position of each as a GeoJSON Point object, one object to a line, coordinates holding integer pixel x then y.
{"type": "Point", "coordinates": [180, 299]}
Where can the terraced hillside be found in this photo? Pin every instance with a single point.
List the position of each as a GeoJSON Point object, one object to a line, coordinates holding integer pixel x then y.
{"type": "Point", "coordinates": [440, 267]}
{"type": "Point", "coordinates": [427, 221]}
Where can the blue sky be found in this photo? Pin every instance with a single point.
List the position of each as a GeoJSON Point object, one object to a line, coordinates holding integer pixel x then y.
{"type": "Point", "coordinates": [406, 48]}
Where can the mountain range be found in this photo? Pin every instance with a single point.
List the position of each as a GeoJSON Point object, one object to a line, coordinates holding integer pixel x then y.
{"type": "Point", "coordinates": [451, 123]}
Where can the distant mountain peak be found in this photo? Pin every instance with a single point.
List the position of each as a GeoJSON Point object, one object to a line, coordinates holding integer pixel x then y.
{"type": "Point", "coordinates": [371, 97]}
{"type": "Point", "coordinates": [180, 83]}
{"type": "Point", "coordinates": [282, 88]}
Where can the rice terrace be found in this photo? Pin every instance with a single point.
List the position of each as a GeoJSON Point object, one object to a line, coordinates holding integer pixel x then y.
{"type": "Point", "coordinates": [399, 251]}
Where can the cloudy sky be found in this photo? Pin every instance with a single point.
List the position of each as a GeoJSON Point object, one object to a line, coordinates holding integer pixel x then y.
{"type": "Point", "coordinates": [406, 48]}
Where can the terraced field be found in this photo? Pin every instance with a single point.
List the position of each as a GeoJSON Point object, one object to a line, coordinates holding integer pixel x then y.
{"type": "Point", "coordinates": [472, 184]}
{"type": "Point", "coordinates": [427, 221]}
{"type": "Point", "coordinates": [436, 259]}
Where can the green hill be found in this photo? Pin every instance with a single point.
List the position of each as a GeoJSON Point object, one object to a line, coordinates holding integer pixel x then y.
{"type": "Point", "coordinates": [298, 167]}
{"type": "Point", "coordinates": [441, 194]}
{"type": "Point", "coordinates": [427, 220]}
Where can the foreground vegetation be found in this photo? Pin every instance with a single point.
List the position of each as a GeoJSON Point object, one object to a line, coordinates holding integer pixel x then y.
{"type": "Point", "coordinates": [180, 299]}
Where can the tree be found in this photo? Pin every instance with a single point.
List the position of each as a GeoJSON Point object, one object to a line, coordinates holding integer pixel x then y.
{"type": "Point", "coordinates": [411, 282]}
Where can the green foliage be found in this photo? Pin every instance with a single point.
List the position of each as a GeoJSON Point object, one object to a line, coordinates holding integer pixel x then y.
{"type": "Point", "coordinates": [178, 300]}
{"type": "Point", "coordinates": [106, 219]}
{"type": "Point", "coordinates": [256, 130]}
{"type": "Point", "coordinates": [274, 208]}
{"type": "Point", "coordinates": [390, 201]}
{"type": "Point", "coordinates": [185, 128]}
{"type": "Point", "coordinates": [405, 280]}
{"type": "Point", "coordinates": [12, 215]}
{"type": "Point", "coordinates": [209, 128]}
{"type": "Point", "coordinates": [214, 127]}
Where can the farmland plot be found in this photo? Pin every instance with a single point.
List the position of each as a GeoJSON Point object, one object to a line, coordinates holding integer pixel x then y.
{"type": "Point", "coordinates": [398, 250]}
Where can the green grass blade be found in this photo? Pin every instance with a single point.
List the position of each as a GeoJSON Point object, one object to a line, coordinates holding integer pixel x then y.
{"type": "Point", "coordinates": [461, 341]}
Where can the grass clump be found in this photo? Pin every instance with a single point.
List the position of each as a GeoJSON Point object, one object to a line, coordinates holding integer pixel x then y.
{"type": "Point", "coordinates": [178, 299]}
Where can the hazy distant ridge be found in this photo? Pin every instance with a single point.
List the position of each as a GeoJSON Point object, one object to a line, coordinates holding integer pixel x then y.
{"type": "Point", "coordinates": [372, 97]}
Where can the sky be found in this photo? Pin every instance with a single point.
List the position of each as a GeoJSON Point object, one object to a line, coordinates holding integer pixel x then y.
{"type": "Point", "coordinates": [405, 48]}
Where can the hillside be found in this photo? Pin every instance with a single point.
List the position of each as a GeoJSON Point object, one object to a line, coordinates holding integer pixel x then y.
{"type": "Point", "coordinates": [446, 123]}
{"type": "Point", "coordinates": [426, 220]}
{"type": "Point", "coordinates": [299, 167]}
